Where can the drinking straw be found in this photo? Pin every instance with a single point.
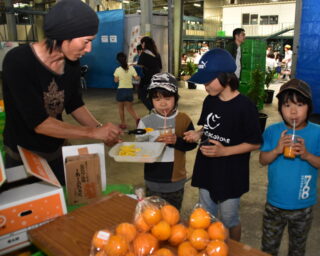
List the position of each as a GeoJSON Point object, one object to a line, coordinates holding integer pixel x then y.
{"type": "Point", "coordinates": [165, 120]}
{"type": "Point", "coordinates": [293, 129]}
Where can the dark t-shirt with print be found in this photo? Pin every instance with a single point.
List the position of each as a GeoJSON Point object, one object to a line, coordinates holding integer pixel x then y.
{"type": "Point", "coordinates": [31, 94]}
{"type": "Point", "coordinates": [150, 65]}
{"type": "Point", "coordinates": [231, 123]}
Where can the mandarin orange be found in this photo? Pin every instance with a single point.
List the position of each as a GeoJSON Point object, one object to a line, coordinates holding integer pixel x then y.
{"type": "Point", "coordinates": [151, 215]}
{"type": "Point", "coordinates": [162, 230]}
{"type": "Point", "coordinates": [141, 225]}
{"type": "Point", "coordinates": [199, 239]}
{"type": "Point", "coordinates": [163, 252]}
{"type": "Point", "coordinates": [189, 232]}
{"type": "Point", "coordinates": [100, 238]}
{"type": "Point", "coordinates": [199, 218]}
{"type": "Point", "coordinates": [179, 234]}
{"type": "Point", "coordinates": [217, 248]}
{"type": "Point", "coordinates": [186, 249]}
{"type": "Point", "coordinates": [218, 231]}
{"type": "Point", "coordinates": [127, 230]}
{"type": "Point", "coordinates": [145, 244]}
{"type": "Point", "coordinates": [116, 246]}
{"type": "Point", "coordinates": [170, 214]}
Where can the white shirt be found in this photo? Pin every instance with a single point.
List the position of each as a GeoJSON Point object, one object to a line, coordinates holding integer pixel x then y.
{"type": "Point", "coordinates": [238, 63]}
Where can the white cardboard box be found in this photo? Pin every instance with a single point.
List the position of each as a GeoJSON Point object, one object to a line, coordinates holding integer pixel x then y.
{"type": "Point", "coordinates": [28, 206]}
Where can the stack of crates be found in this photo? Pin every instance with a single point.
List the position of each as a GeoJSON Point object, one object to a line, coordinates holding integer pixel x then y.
{"type": "Point", "coordinates": [253, 55]}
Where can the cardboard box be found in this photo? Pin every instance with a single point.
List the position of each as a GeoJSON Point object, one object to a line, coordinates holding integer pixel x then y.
{"type": "Point", "coordinates": [84, 178]}
{"type": "Point", "coordinates": [27, 206]}
{"type": "Point", "coordinates": [85, 172]}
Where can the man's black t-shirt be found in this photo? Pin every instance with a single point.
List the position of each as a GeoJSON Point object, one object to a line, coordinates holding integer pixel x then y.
{"type": "Point", "coordinates": [31, 94]}
{"type": "Point", "coordinates": [231, 123]}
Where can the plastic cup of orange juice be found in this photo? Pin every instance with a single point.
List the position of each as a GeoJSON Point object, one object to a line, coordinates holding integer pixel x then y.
{"type": "Point", "coordinates": [165, 131]}
{"type": "Point", "coordinates": [288, 151]}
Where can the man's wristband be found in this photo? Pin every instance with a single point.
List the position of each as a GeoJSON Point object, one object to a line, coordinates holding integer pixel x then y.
{"type": "Point", "coordinates": [99, 125]}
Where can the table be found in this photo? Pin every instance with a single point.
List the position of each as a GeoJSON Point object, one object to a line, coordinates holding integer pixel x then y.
{"type": "Point", "coordinates": [71, 234]}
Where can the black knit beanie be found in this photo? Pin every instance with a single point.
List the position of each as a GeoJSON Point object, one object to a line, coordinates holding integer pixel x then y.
{"type": "Point", "coordinates": [70, 19]}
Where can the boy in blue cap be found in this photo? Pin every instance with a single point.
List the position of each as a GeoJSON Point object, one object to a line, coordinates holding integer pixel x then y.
{"type": "Point", "coordinates": [230, 126]}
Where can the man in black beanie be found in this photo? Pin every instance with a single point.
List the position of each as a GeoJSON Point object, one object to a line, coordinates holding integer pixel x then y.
{"type": "Point", "coordinates": [42, 79]}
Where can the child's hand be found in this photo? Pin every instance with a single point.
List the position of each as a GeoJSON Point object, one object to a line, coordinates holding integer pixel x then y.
{"type": "Point", "coordinates": [284, 140]}
{"type": "Point", "coordinates": [299, 149]}
{"type": "Point", "coordinates": [169, 139]}
{"type": "Point", "coordinates": [215, 150]}
{"type": "Point", "coordinates": [192, 136]}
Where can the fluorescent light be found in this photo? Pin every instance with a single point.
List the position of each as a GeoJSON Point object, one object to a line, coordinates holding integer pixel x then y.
{"type": "Point", "coordinates": [197, 5]}
{"type": "Point", "coordinates": [125, 1]}
{"type": "Point", "coordinates": [165, 7]}
{"type": "Point", "coordinates": [138, 11]}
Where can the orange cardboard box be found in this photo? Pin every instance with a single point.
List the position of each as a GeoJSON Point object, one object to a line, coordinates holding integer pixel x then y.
{"type": "Point", "coordinates": [27, 206]}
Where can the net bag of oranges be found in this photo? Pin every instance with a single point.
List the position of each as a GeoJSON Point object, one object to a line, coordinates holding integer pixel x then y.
{"type": "Point", "coordinates": [158, 231]}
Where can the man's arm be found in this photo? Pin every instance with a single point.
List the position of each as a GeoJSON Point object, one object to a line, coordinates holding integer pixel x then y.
{"type": "Point", "coordinates": [89, 129]}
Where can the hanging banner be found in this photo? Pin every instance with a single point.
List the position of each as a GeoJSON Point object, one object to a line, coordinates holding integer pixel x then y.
{"type": "Point", "coordinates": [109, 40]}
{"type": "Point", "coordinates": [134, 41]}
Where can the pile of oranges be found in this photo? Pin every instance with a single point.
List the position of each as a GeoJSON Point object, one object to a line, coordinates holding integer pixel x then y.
{"type": "Point", "coordinates": [157, 231]}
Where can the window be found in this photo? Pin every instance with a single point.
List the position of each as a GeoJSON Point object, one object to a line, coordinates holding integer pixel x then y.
{"type": "Point", "coordinates": [254, 19]}
{"type": "Point", "coordinates": [269, 20]}
{"type": "Point", "coordinates": [264, 20]}
{"type": "Point", "coordinates": [245, 19]}
{"type": "Point", "coordinates": [273, 19]}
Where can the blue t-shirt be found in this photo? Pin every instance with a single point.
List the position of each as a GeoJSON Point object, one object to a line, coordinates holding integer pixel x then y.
{"type": "Point", "coordinates": [292, 182]}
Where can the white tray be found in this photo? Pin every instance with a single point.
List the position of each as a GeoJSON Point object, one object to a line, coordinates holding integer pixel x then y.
{"type": "Point", "coordinates": [149, 152]}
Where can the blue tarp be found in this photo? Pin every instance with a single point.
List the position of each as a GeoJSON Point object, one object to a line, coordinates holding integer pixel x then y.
{"type": "Point", "coordinates": [108, 42]}
{"type": "Point", "coordinates": [308, 62]}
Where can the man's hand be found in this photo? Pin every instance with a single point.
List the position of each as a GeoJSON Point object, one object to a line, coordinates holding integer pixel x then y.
{"type": "Point", "coordinates": [108, 133]}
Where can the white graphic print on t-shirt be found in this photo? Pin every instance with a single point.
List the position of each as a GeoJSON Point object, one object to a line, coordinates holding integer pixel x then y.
{"type": "Point", "coordinates": [212, 122]}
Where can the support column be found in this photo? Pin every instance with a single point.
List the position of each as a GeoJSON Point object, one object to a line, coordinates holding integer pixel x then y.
{"type": "Point", "coordinates": [177, 36]}
{"type": "Point", "coordinates": [146, 17]}
{"type": "Point", "coordinates": [296, 37]}
{"type": "Point", "coordinates": [11, 23]}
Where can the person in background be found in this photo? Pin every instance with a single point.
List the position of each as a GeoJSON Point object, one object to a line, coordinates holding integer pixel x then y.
{"type": "Point", "coordinates": [269, 50]}
{"type": "Point", "coordinates": [123, 75]}
{"type": "Point", "coordinates": [167, 176]}
{"type": "Point", "coordinates": [151, 63]}
{"type": "Point", "coordinates": [136, 57]}
{"type": "Point", "coordinates": [48, 82]}
{"type": "Point", "coordinates": [287, 61]}
{"type": "Point", "coordinates": [292, 186]}
{"type": "Point", "coordinates": [271, 63]}
{"type": "Point", "coordinates": [234, 47]}
{"type": "Point", "coordinates": [230, 131]}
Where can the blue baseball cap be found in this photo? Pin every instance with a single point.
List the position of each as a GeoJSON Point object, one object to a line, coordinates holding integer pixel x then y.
{"type": "Point", "coordinates": [213, 63]}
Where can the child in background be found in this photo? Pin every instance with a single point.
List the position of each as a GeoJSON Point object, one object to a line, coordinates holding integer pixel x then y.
{"type": "Point", "coordinates": [230, 124]}
{"type": "Point", "coordinates": [124, 75]}
{"type": "Point", "coordinates": [167, 176]}
{"type": "Point", "coordinates": [292, 182]}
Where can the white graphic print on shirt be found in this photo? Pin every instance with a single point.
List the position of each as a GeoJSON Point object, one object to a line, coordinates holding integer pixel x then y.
{"type": "Point", "coordinates": [212, 122]}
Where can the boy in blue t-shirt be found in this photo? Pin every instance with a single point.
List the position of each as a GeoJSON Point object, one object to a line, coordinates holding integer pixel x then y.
{"type": "Point", "coordinates": [292, 188]}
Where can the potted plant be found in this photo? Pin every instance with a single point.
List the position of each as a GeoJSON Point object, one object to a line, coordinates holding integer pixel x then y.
{"type": "Point", "coordinates": [256, 94]}
{"type": "Point", "coordinates": [270, 73]}
{"type": "Point", "coordinates": [187, 71]}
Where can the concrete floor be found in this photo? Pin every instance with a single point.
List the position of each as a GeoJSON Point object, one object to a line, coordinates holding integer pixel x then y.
{"type": "Point", "coordinates": [103, 105]}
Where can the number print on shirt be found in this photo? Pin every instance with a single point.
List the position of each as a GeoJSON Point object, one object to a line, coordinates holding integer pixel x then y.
{"type": "Point", "coordinates": [304, 187]}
